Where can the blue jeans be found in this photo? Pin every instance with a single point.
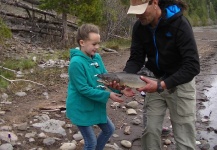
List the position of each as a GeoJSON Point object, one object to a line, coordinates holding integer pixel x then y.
{"type": "Point", "coordinates": [90, 140]}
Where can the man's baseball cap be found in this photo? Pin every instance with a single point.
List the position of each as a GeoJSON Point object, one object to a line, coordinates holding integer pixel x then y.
{"type": "Point", "coordinates": [137, 6]}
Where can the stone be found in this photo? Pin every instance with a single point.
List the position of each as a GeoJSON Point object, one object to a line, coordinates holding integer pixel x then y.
{"type": "Point", "coordinates": [8, 137]}
{"type": "Point", "coordinates": [6, 146]}
{"type": "Point", "coordinates": [68, 146]}
{"type": "Point", "coordinates": [78, 136]}
{"type": "Point", "coordinates": [132, 104]}
{"type": "Point", "coordinates": [21, 94]}
{"type": "Point", "coordinates": [167, 142]}
{"type": "Point", "coordinates": [131, 111]}
{"type": "Point", "coordinates": [127, 130]}
{"type": "Point", "coordinates": [126, 143]}
{"type": "Point", "coordinates": [49, 141]}
{"type": "Point", "coordinates": [136, 121]}
{"type": "Point", "coordinates": [52, 126]}
{"type": "Point", "coordinates": [5, 128]}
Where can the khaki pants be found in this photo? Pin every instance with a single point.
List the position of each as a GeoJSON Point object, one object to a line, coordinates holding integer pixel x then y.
{"type": "Point", "coordinates": [182, 108]}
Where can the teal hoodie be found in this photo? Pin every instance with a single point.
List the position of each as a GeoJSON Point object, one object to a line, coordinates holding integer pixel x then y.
{"type": "Point", "coordinates": [86, 100]}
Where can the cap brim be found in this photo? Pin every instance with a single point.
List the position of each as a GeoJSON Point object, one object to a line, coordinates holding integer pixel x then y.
{"type": "Point", "coordinates": [138, 9]}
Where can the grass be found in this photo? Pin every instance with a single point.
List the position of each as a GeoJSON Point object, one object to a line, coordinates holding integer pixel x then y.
{"type": "Point", "coordinates": [117, 44]}
{"type": "Point", "coordinates": [20, 64]}
{"type": "Point", "coordinates": [14, 66]}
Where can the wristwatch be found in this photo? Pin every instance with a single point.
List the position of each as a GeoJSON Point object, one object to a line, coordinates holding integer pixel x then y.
{"type": "Point", "coordinates": [159, 87]}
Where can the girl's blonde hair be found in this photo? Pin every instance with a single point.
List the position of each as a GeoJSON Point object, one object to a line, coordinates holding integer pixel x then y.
{"type": "Point", "coordinates": [84, 30]}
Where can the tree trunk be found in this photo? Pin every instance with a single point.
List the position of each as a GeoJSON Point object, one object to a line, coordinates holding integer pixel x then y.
{"type": "Point", "coordinates": [65, 32]}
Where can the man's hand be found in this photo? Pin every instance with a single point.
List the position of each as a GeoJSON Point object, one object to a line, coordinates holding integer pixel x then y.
{"type": "Point", "coordinates": [150, 87]}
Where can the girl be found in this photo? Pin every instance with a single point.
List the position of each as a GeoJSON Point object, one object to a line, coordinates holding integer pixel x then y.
{"type": "Point", "coordinates": [86, 99]}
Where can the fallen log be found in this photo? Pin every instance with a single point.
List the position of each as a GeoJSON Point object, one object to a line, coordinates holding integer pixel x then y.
{"type": "Point", "coordinates": [37, 19]}
{"type": "Point", "coordinates": [31, 31]}
{"type": "Point", "coordinates": [109, 50]}
{"type": "Point", "coordinates": [25, 6]}
{"type": "Point", "coordinates": [34, 2]}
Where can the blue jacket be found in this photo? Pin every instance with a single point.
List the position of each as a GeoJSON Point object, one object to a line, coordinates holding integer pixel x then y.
{"type": "Point", "coordinates": [86, 101]}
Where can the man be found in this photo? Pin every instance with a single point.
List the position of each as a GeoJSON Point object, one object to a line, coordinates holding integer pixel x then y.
{"type": "Point", "coordinates": [165, 37]}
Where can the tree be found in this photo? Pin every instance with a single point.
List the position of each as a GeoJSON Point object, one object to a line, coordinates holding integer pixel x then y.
{"type": "Point", "coordinates": [212, 12]}
{"type": "Point", "coordinates": [63, 7]}
{"type": "Point", "coordinates": [89, 11]}
{"type": "Point", "coordinates": [85, 11]}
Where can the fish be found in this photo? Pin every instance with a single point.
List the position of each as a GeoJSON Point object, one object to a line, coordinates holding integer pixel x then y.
{"type": "Point", "coordinates": [124, 79]}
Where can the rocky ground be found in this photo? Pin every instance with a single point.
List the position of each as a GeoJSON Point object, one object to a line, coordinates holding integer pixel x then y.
{"type": "Point", "coordinates": [34, 117]}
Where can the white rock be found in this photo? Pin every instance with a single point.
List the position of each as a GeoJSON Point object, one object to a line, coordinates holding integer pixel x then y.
{"type": "Point", "coordinates": [20, 94]}
{"type": "Point", "coordinates": [4, 96]}
{"type": "Point", "coordinates": [49, 141]}
{"type": "Point", "coordinates": [64, 75]}
{"type": "Point", "coordinates": [30, 135]}
{"type": "Point", "coordinates": [204, 120]}
{"type": "Point", "coordinates": [46, 95]}
{"type": "Point", "coordinates": [68, 146]}
{"type": "Point", "coordinates": [42, 135]}
{"type": "Point", "coordinates": [77, 136]}
{"type": "Point", "coordinates": [31, 140]}
{"type": "Point", "coordinates": [198, 142]}
{"type": "Point", "coordinates": [82, 142]}
{"type": "Point", "coordinates": [167, 142]}
{"type": "Point", "coordinates": [52, 126]}
{"type": "Point", "coordinates": [115, 105]}
{"type": "Point", "coordinates": [126, 143]}
{"type": "Point", "coordinates": [132, 104]}
{"type": "Point", "coordinates": [115, 135]}
{"type": "Point", "coordinates": [112, 147]}
{"type": "Point", "coordinates": [8, 136]}
{"type": "Point", "coordinates": [124, 108]}
{"type": "Point", "coordinates": [2, 112]}
{"type": "Point", "coordinates": [6, 102]}
{"type": "Point", "coordinates": [34, 58]}
{"type": "Point", "coordinates": [6, 146]}
{"type": "Point", "coordinates": [127, 130]}
{"type": "Point", "coordinates": [6, 128]}
{"type": "Point", "coordinates": [131, 111]}
{"type": "Point", "coordinates": [75, 142]}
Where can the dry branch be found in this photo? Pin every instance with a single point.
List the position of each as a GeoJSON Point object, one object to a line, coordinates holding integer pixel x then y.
{"type": "Point", "coordinates": [14, 71]}
{"type": "Point", "coordinates": [11, 81]}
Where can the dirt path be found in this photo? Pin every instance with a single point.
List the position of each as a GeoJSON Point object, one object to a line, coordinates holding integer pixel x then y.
{"type": "Point", "coordinates": [23, 109]}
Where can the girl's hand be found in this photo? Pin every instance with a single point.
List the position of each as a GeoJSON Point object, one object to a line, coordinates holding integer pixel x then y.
{"type": "Point", "coordinates": [116, 97]}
